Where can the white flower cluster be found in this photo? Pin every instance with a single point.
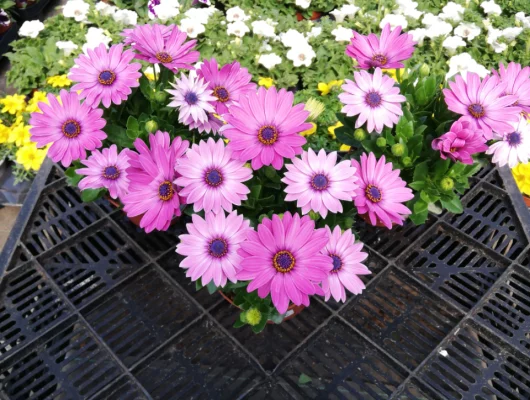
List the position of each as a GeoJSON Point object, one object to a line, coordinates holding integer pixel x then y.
{"type": "Point", "coordinates": [300, 51]}
{"type": "Point", "coordinates": [164, 10]}
{"type": "Point", "coordinates": [31, 29]}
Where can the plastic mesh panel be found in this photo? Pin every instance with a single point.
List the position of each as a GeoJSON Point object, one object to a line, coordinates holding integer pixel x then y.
{"type": "Point", "coordinates": [123, 389]}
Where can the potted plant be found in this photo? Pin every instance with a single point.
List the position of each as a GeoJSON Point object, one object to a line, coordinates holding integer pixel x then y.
{"type": "Point", "coordinates": [28, 10]}
{"type": "Point", "coordinates": [8, 28]}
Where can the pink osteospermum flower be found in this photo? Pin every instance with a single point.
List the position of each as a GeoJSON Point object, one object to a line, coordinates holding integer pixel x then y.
{"type": "Point", "coordinates": [513, 147]}
{"type": "Point", "coordinates": [517, 80]}
{"type": "Point", "coordinates": [482, 102]}
{"type": "Point", "coordinates": [347, 265]}
{"type": "Point", "coordinates": [105, 77]}
{"type": "Point", "coordinates": [265, 127]}
{"type": "Point", "coordinates": [318, 183]}
{"type": "Point", "coordinates": [70, 126]}
{"type": "Point", "coordinates": [192, 97]}
{"type": "Point", "coordinates": [227, 84]}
{"type": "Point", "coordinates": [129, 35]}
{"type": "Point", "coordinates": [155, 46]}
{"type": "Point", "coordinates": [283, 258]}
{"type": "Point", "coordinates": [211, 179]}
{"type": "Point", "coordinates": [461, 142]}
{"type": "Point", "coordinates": [381, 191]}
{"type": "Point", "coordinates": [106, 169]}
{"type": "Point", "coordinates": [152, 193]}
{"type": "Point", "coordinates": [374, 98]}
{"type": "Point", "coordinates": [211, 247]}
{"type": "Point", "coordinates": [385, 52]}
{"type": "Point", "coordinates": [211, 125]}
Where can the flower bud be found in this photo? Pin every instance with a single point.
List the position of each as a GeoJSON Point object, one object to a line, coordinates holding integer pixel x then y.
{"type": "Point", "coordinates": [314, 215]}
{"type": "Point", "coordinates": [359, 134]}
{"type": "Point", "coordinates": [380, 142]}
{"type": "Point", "coordinates": [161, 97]}
{"type": "Point", "coordinates": [407, 161]}
{"type": "Point", "coordinates": [425, 70]}
{"type": "Point", "coordinates": [151, 126]}
{"type": "Point", "coordinates": [398, 150]}
{"type": "Point", "coordinates": [348, 222]}
{"type": "Point", "coordinates": [253, 316]}
{"type": "Point", "coordinates": [447, 184]}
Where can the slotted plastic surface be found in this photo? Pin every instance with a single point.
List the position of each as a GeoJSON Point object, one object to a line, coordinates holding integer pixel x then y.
{"type": "Point", "coordinates": [92, 308]}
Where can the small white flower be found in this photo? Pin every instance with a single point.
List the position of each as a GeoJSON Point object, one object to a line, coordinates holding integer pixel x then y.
{"type": "Point", "coordinates": [464, 63]}
{"type": "Point", "coordinates": [430, 20]}
{"type": "Point", "coordinates": [67, 47]}
{"type": "Point", "coordinates": [167, 9]}
{"type": "Point", "coordinates": [342, 34]}
{"type": "Point", "coordinates": [408, 8]}
{"type": "Point", "coordinates": [303, 3]}
{"type": "Point", "coordinates": [490, 7]}
{"type": "Point", "coordinates": [513, 147]}
{"type": "Point", "coordinates": [265, 46]}
{"type": "Point", "coordinates": [293, 38]}
{"type": "Point", "coordinates": [94, 37]}
{"type": "Point", "coordinates": [31, 29]}
{"type": "Point", "coordinates": [191, 27]}
{"type": "Point", "coordinates": [238, 28]}
{"type": "Point", "coordinates": [451, 43]}
{"type": "Point", "coordinates": [418, 35]}
{"type": "Point", "coordinates": [76, 9]}
{"type": "Point", "coordinates": [525, 21]}
{"type": "Point", "coordinates": [467, 31]}
{"type": "Point", "coordinates": [126, 17]}
{"type": "Point", "coordinates": [263, 28]}
{"type": "Point", "coordinates": [315, 31]}
{"type": "Point", "coordinates": [235, 14]}
{"type": "Point", "coordinates": [105, 8]}
{"type": "Point", "coordinates": [394, 21]}
{"type": "Point", "coordinates": [511, 33]}
{"type": "Point", "coordinates": [346, 11]}
{"type": "Point", "coordinates": [452, 11]}
{"type": "Point", "coordinates": [201, 15]}
{"type": "Point", "coordinates": [301, 55]}
{"type": "Point", "coordinates": [269, 61]}
{"type": "Point", "coordinates": [442, 28]}
{"type": "Point", "coordinates": [492, 39]}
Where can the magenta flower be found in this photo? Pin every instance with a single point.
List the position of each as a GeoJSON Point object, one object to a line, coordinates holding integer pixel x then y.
{"type": "Point", "coordinates": [347, 265]}
{"type": "Point", "coordinates": [517, 82]}
{"type": "Point", "coordinates": [71, 127]}
{"type": "Point", "coordinates": [385, 52]}
{"type": "Point", "coordinates": [212, 124]}
{"type": "Point", "coordinates": [192, 97]}
{"type": "Point", "coordinates": [211, 179]}
{"type": "Point", "coordinates": [155, 46]}
{"type": "Point", "coordinates": [318, 183]}
{"type": "Point", "coordinates": [482, 101]}
{"type": "Point", "coordinates": [227, 84]}
{"type": "Point", "coordinates": [129, 35]}
{"type": "Point", "coordinates": [152, 193]}
{"type": "Point", "coordinates": [513, 146]}
{"type": "Point", "coordinates": [211, 247]}
{"type": "Point", "coordinates": [374, 98]}
{"type": "Point", "coordinates": [283, 258]}
{"type": "Point", "coordinates": [265, 127]}
{"type": "Point", "coordinates": [461, 142]}
{"type": "Point", "coordinates": [381, 191]}
{"type": "Point", "coordinates": [106, 169]}
{"type": "Point", "coordinates": [105, 77]}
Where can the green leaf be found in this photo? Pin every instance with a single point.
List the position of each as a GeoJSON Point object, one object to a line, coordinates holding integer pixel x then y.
{"type": "Point", "coordinates": [259, 327]}
{"type": "Point", "coordinates": [211, 287]}
{"type": "Point", "coordinates": [72, 177]}
{"type": "Point", "coordinates": [145, 87]}
{"type": "Point", "coordinates": [419, 218]}
{"type": "Point", "coordinates": [417, 185]}
{"type": "Point", "coordinates": [239, 323]}
{"type": "Point", "coordinates": [89, 195]}
{"type": "Point", "coordinates": [346, 137]}
{"type": "Point", "coordinates": [421, 171]}
{"type": "Point", "coordinates": [132, 123]}
{"type": "Point", "coordinates": [304, 379]}
{"type": "Point", "coordinates": [430, 87]}
{"type": "Point", "coordinates": [118, 135]}
{"type": "Point", "coordinates": [255, 191]}
{"type": "Point", "coordinates": [405, 129]}
{"type": "Point", "coordinates": [198, 284]}
{"type": "Point", "coordinates": [454, 205]}
{"type": "Point", "coordinates": [420, 206]}
{"type": "Point", "coordinates": [440, 168]}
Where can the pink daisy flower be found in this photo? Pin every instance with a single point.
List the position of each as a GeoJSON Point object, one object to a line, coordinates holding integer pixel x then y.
{"type": "Point", "coordinates": [265, 127]}
{"type": "Point", "coordinates": [152, 193]}
{"type": "Point", "coordinates": [212, 124]}
{"type": "Point", "coordinates": [105, 77]}
{"type": "Point", "coordinates": [318, 183]}
{"type": "Point", "coordinates": [129, 35]}
{"type": "Point", "coordinates": [513, 147]}
{"type": "Point", "coordinates": [283, 258]}
{"type": "Point", "coordinates": [374, 98]}
{"type": "Point", "coordinates": [385, 52]}
{"type": "Point", "coordinates": [192, 97]}
{"type": "Point", "coordinates": [106, 169]}
{"type": "Point", "coordinates": [155, 46]}
{"type": "Point", "coordinates": [517, 80]}
{"type": "Point", "coordinates": [347, 265]}
{"type": "Point", "coordinates": [482, 101]}
{"type": "Point", "coordinates": [381, 191]}
{"type": "Point", "coordinates": [211, 247]}
{"type": "Point", "coordinates": [211, 179]}
{"type": "Point", "coordinates": [227, 84]}
{"type": "Point", "coordinates": [71, 127]}
{"type": "Point", "coordinates": [461, 142]}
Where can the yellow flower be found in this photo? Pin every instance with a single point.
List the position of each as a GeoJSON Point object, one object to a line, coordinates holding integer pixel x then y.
{"type": "Point", "coordinates": [314, 107]}
{"type": "Point", "coordinates": [267, 82]}
{"type": "Point", "coordinates": [13, 104]}
{"type": "Point", "coordinates": [325, 88]}
{"type": "Point", "coordinates": [521, 174]}
{"type": "Point", "coordinates": [30, 157]}
{"type": "Point", "coordinates": [393, 73]}
{"type": "Point", "coordinates": [19, 134]}
{"type": "Point", "coordinates": [331, 129]}
{"type": "Point", "coordinates": [344, 147]}
{"type": "Point", "coordinates": [59, 81]}
{"type": "Point", "coordinates": [310, 131]}
{"type": "Point", "coordinates": [33, 104]}
{"type": "Point", "coordinates": [4, 133]}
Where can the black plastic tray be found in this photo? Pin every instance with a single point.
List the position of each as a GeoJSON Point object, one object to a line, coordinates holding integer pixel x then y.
{"type": "Point", "coordinates": [32, 12]}
{"type": "Point", "coordinates": [7, 37]}
{"type": "Point", "coordinates": [90, 307]}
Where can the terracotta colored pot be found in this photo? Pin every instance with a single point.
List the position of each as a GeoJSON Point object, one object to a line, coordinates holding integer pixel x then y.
{"type": "Point", "coordinates": [292, 311]}
{"type": "Point", "coordinates": [316, 15]}
{"type": "Point", "coordinates": [134, 220]}
{"type": "Point", "coordinates": [526, 200]}
{"type": "Point", "coordinates": [379, 224]}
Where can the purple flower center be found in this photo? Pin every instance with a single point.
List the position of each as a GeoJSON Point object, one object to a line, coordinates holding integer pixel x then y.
{"type": "Point", "coordinates": [4, 18]}
{"type": "Point", "coordinates": [213, 177]}
{"type": "Point", "coordinates": [513, 139]}
{"type": "Point", "coordinates": [107, 77]}
{"type": "Point", "coordinates": [221, 93]}
{"type": "Point", "coordinates": [218, 248]}
{"type": "Point", "coordinates": [163, 57]}
{"type": "Point", "coordinates": [191, 98]}
{"type": "Point", "coordinates": [476, 110]}
{"type": "Point", "coordinates": [71, 129]}
{"type": "Point", "coordinates": [283, 261]}
{"type": "Point", "coordinates": [319, 182]}
{"type": "Point", "coordinates": [166, 191]}
{"type": "Point", "coordinates": [111, 172]}
{"type": "Point", "coordinates": [373, 99]}
{"type": "Point", "coordinates": [337, 262]}
{"type": "Point", "coordinates": [268, 134]}
{"type": "Point", "coordinates": [379, 59]}
{"type": "Point", "coordinates": [374, 193]}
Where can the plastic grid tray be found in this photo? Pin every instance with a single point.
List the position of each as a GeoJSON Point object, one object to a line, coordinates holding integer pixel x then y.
{"type": "Point", "coordinates": [90, 307]}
